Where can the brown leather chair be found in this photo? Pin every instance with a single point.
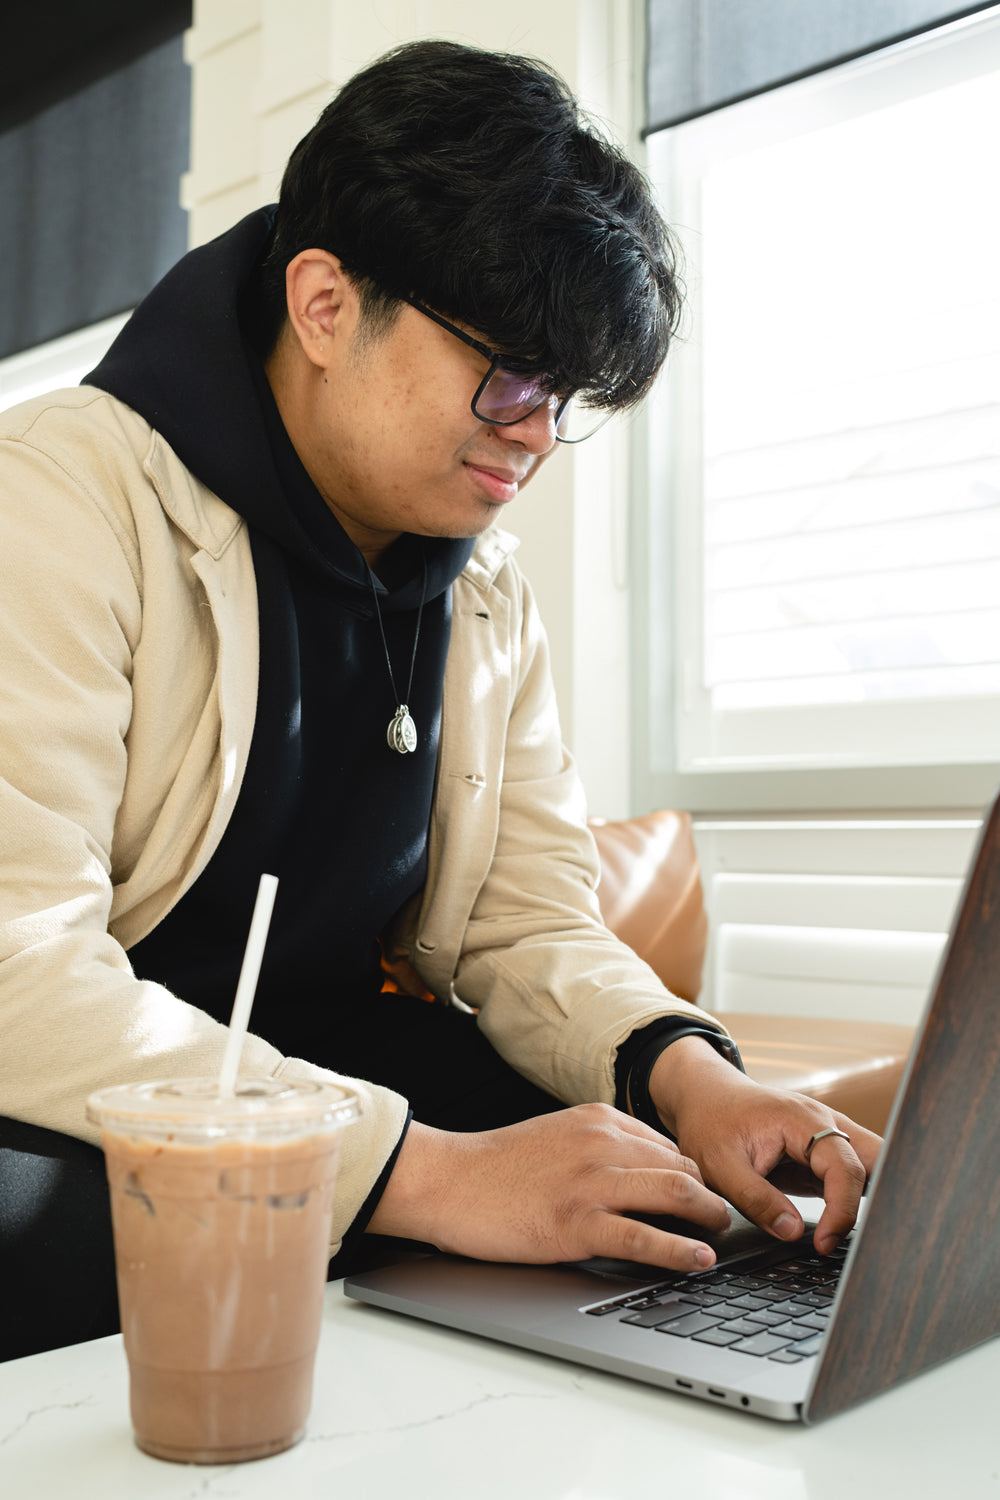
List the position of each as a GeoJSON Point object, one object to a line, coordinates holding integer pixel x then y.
{"type": "Point", "coordinates": [651, 897]}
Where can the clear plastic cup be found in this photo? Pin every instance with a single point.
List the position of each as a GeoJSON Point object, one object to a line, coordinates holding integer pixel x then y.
{"type": "Point", "coordinates": [221, 1207]}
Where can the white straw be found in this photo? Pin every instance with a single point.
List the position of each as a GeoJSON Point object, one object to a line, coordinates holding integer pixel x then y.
{"type": "Point", "coordinates": [240, 1018]}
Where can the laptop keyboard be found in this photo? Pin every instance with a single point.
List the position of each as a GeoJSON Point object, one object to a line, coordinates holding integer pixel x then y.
{"type": "Point", "coordinates": [777, 1312]}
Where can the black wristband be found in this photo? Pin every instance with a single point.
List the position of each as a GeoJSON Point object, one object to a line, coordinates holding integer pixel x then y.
{"type": "Point", "coordinates": [639, 1062]}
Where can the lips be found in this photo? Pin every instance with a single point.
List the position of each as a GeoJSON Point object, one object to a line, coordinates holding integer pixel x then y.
{"type": "Point", "coordinates": [500, 484]}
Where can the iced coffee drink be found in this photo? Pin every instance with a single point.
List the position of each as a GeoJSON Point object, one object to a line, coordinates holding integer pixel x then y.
{"type": "Point", "coordinates": [221, 1210]}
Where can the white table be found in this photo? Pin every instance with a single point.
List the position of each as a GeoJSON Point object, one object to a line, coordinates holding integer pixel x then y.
{"type": "Point", "coordinates": [404, 1411]}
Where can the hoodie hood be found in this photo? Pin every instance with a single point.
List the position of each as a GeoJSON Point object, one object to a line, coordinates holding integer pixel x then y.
{"type": "Point", "coordinates": [184, 362]}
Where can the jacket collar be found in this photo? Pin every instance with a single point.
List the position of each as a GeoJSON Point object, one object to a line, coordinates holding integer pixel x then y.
{"type": "Point", "coordinates": [492, 550]}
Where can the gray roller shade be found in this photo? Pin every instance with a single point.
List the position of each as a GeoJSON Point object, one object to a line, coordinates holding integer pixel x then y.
{"type": "Point", "coordinates": [706, 53]}
{"type": "Point", "coordinates": [90, 178]}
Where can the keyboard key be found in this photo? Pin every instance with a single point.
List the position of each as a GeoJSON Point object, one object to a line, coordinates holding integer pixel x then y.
{"type": "Point", "coordinates": [748, 1283]}
{"type": "Point", "coordinates": [722, 1337]}
{"type": "Point", "coordinates": [817, 1321]}
{"type": "Point", "coordinates": [696, 1322]}
{"type": "Point", "coordinates": [726, 1290]}
{"type": "Point", "coordinates": [793, 1308]}
{"type": "Point", "coordinates": [793, 1330]}
{"type": "Point", "coordinates": [808, 1346]}
{"type": "Point", "coordinates": [651, 1297]}
{"type": "Point", "coordinates": [767, 1317]}
{"type": "Point", "coordinates": [760, 1344]}
{"type": "Point", "coordinates": [649, 1293]}
{"type": "Point", "coordinates": [750, 1303]}
{"type": "Point", "coordinates": [727, 1311]}
{"type": "Point", "coordinates": [652, 1317]}
{"type": "Point", "coordinates": [786, 1357]}
{"type": "Point", "coordinates": [703, 1299]}
{"type": "Point", "coordinates": [742, 1326]}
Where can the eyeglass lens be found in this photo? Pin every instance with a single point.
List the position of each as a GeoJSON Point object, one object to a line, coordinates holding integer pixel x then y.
{"type": "Point", "coordinates": [507, 397]}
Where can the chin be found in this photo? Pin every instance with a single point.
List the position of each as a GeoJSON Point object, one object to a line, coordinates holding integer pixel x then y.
{"type": "Point", "coordinates": [464, 527]}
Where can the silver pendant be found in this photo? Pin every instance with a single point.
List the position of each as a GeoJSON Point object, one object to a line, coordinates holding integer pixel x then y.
{"type": "Point", "coordinates": [402, 732]}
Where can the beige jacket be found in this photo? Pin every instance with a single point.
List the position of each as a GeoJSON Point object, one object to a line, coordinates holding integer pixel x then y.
{"type": "Point", "coordinates": [128, 643]}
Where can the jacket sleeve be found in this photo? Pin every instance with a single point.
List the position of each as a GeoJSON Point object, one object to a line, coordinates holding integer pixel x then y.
{"type": "Point", "coordinates": [74, 1018]}
{"type": "Point", "coordinates": [557, 993]}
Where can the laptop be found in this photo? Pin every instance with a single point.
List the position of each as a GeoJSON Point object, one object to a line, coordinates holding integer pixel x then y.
{"type": "Point", "coordinates": [774, 1329]}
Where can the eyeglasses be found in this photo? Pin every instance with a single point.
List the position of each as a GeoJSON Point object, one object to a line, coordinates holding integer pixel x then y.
{"type": "Point", "coordinates": [504, 397]}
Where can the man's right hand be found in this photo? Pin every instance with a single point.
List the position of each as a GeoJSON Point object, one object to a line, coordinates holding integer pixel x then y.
{"type": "Point", "coordinates": [550, 1189]}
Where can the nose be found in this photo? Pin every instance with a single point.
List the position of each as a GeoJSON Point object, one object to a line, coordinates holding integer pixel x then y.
{"type": "Point", "coordinates": [536, 432]}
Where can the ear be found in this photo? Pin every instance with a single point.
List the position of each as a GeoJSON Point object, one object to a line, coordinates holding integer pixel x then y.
{"type": "Point", "coordinates": [322, 302]}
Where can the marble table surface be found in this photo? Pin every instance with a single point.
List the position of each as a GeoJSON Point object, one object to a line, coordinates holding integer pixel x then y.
{"type": "Point", "coordinates": [402, 1409]}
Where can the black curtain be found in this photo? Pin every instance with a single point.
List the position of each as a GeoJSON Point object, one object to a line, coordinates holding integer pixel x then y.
{"type": "Point", "coordinates": [702, 54]}
{"type": "Point", "coordinates": [94, 137]}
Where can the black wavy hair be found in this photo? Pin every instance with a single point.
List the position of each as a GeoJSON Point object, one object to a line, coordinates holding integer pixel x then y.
{"type": "Point", "coordinates": [470, 180]}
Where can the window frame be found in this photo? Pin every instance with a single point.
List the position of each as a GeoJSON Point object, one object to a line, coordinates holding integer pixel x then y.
{"type": "Point", "coordinates": [667, 537]}
{"type": "Point", "coordinates": [57, 363]}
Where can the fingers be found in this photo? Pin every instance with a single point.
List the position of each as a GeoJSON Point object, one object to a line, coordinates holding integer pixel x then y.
{"type": "Point", "coordinates": [677, 1192]}
{"type": "Point", "coordinates": [658, 1149]}
{"type": "Point", "coordinates": [674, 1194]}
{"type": "Point", "coordinates": [638, 1171]}
{"type": "Point", "coordinates": [841, 1167]}
{"type": "Point", "coordinates": [865, 1143]}
{"type": "Point", "coordinates": [630, 1239]}
{"type": "Point", "coordinates": [737, 1177]}
{"type": "Point", "coordinates": [657, 1179]}
{"type": "Point", "coordinates": [743, 1138]}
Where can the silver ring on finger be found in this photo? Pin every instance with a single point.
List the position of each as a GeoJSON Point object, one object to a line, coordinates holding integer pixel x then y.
{"type": "Point", "coordinates": [821, 1135]}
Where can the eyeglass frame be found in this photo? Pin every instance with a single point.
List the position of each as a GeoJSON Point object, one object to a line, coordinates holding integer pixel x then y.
{"type": "Point", "coordinates": [499, 361]}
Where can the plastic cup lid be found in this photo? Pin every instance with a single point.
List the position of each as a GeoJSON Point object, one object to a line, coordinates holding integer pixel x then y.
{"type": "Point", "coordinates": [195, 1106]}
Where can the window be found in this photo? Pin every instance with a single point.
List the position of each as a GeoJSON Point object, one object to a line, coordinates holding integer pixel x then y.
{"type": "Point", "coordinates": [824, 527]}
{"type": "Point", "coordinates": [58, 363]}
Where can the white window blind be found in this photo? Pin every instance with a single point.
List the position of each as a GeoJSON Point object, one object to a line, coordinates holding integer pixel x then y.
{"type": "Point", "coordinates": [829, 917]}
{"type": "Point", "coordinates": [835, 425]}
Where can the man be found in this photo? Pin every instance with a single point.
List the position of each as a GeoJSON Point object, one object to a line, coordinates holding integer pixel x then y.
{"type": "Point", "coordinates": [256, 616]}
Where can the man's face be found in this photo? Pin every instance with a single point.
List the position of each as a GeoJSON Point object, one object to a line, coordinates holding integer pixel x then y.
{"type": "Point", "coordinates": [384, 426]}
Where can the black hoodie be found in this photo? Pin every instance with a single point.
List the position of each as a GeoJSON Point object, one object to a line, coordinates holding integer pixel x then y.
{"type": "Point", "coordinates": [326, 805]}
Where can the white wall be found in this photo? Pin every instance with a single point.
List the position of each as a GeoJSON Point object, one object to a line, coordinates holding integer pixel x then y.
{"type": "Point", "coordinates": [262, 71]}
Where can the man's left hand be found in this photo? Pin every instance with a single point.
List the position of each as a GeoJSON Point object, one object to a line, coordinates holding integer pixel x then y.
{"type": "Point", "coordinates": [738, 1132]}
